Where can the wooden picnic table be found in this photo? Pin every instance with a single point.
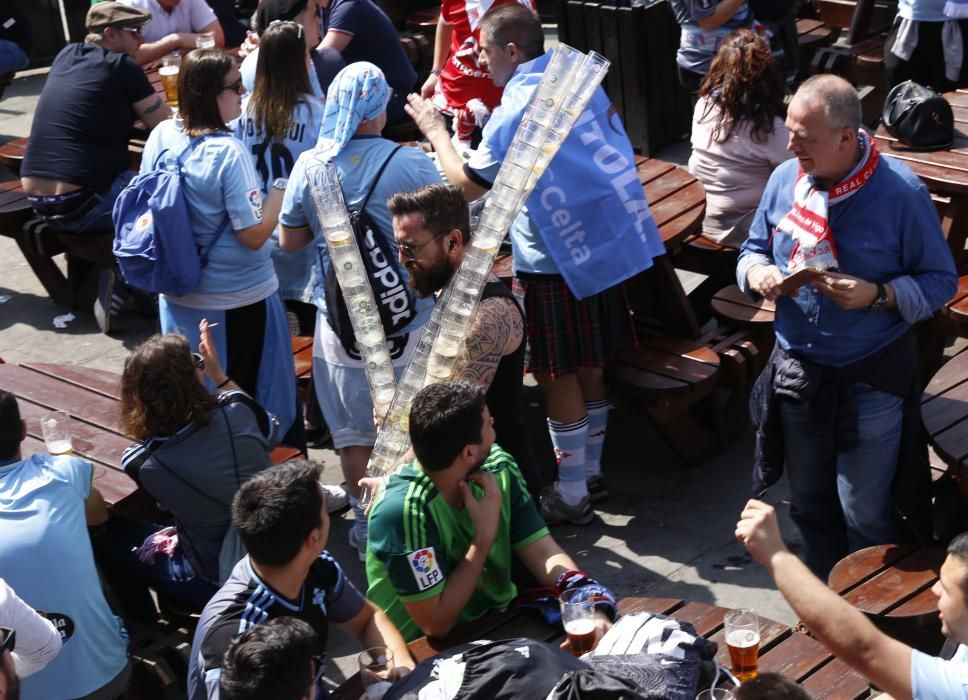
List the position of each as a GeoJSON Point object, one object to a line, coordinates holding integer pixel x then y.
{"type": "Point", "coordinates": [944, 410]}
{"type": "Point", "coordinates": [92, 397]}
{"type": "Point", "coordinates": [782, 650]}
{"type": "Point", "coordinates": [944, 172]}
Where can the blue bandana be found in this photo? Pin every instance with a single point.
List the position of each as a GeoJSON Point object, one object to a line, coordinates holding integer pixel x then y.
{"type": "Point", "coordinates": [358, 92]}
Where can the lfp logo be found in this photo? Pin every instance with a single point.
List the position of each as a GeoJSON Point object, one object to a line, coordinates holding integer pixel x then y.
{"type": "Point", "coordinates": [426, 572]}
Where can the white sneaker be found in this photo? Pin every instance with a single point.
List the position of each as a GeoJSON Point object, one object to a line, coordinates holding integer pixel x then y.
{"type": "Point", "coordinates": [357, 539]}
{"type": "Point", "coordinates": [337, 500]}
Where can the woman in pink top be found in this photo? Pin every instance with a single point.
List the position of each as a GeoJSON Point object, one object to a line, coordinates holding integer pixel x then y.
{"type": "Point", "coordinates": [738, 134]}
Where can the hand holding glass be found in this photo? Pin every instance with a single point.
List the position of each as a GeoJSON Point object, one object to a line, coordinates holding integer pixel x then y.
{"type": "Point", "coordinates": [743, 641]}
{"type": "Point", "coordinates": [578, 619]}
{"type": "Point", "coordinates": [376, 670]}
{"type": "Point", "coordinates": [56, 427]}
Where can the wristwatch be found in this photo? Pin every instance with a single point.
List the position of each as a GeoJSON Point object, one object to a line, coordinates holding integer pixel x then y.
{"type": "Point", "coordinates": [880, 301]}
{"type": "Point", "coordinates": [280, 183]}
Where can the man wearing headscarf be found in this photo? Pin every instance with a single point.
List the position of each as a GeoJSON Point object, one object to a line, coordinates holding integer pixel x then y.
{"type": "Point", "coordinates": [355, 114]}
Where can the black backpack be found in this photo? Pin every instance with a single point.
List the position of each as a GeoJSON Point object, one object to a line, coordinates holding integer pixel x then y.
{"type": "Point", "coordinates": [394, 299]}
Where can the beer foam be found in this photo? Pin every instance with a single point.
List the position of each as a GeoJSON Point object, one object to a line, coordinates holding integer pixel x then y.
{"type": "Point", "coordinates": [585, 625]}
{"type": "Point", "coordinates": [742, 638]}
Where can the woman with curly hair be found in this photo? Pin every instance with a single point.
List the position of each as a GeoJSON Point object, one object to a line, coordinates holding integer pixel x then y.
{"type": "Point", "coordinates": [194, 451]}
{"type": "Point", "coordinates": [738, 134]}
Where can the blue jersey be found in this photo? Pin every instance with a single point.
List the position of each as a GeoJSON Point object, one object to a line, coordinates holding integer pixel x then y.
{"type": "Point", "coordinates": [45, 555]}
{"type": "Point", "coordinates": [358, 164]}
{"type": "Point", "coordinates": [219, 181]}
{"type": "Point", "coordinates": [274, 160]}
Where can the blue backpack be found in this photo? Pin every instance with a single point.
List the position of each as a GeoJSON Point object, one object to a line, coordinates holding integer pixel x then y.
{"type": "Point", "coordinates": [153, 240]}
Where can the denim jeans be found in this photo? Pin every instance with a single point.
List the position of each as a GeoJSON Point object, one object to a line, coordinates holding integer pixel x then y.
{"type": "Point", "coordinates": [12, 57]}
{"type": "Point", "coordinates": [842, 502]}
{"type": "Point", "coordinates": [94, 221]}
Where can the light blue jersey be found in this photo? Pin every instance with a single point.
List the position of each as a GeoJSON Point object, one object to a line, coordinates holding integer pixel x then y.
{"type": "Point", "coordinates": [933, 678]}
{"type": "Point", "coordinates": [922, 10]}
{"type": "Point", "coordinates": [219, 180]}
{"type": "Point", "coordinates": [275, 160]}
{"type": "Point", "coordinates": [45, 555]}
{"type": "Point", "coordinates": [358, 164]}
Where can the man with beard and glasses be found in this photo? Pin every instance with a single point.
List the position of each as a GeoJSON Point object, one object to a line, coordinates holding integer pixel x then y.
{"type": "Point", "coordinates": [443, 528]}
{"type": "Point", "coordinates": [431, 227]}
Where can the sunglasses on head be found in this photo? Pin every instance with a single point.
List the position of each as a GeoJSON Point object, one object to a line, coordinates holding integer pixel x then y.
{"type": "Point", "coordinates": [9, 640]}
{"type": "Point", "coordinates": [287, 24]}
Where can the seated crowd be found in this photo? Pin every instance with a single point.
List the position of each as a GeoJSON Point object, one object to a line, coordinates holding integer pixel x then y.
{"type": "Point", "coordinates": [461, 527]}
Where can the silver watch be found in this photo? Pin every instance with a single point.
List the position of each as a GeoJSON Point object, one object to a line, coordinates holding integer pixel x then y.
{"type": "Point", "coordinates": [280, 183]}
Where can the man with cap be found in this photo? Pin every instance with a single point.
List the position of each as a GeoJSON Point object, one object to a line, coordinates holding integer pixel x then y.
{"type": "Point", "coordinates": [77, 160]}
{"type": "Point", "coordinates": [174, 26]}
{"type": "Point", "coordinates": [325, 62]}
{"type": "Point", "coordinates": [356, 112]}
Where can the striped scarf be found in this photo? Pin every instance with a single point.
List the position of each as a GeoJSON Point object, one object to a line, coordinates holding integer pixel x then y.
{"type": "Point", "coordinates": [807, 221]}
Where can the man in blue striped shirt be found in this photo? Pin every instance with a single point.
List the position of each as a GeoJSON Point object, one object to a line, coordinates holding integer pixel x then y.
{"type": "Point", "coordinates": [282, 519]}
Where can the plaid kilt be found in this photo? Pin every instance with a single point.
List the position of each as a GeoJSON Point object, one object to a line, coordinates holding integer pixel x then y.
{"type": "Point", "coordinates": [564, 333]}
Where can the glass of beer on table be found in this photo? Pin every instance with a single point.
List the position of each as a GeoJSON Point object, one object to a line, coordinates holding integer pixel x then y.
{"type": "Point", "coordinates": [743, 641]}
{"type": "Point", "coordinates": [578, 619]}
{"type": "Point", "coordinates": [205, 40]}
{"type": "Point", "coordinates": [170, 65]}
{"type": "Point", "coordinates": [56, 427]}
{"type": "Point", "coordinates": [376, 671]}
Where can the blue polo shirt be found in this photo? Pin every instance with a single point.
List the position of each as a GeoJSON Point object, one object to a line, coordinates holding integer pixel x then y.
{"type": "Point", "coordinates": [45, 555]}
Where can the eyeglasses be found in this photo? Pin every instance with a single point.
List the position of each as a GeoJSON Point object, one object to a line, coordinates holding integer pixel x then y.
{"type": "Point", "coordinates": [9, 640]}
{"type": "Point", "coordinates": [287, 24]}
{"type": "Point", "coordinates": [198, 360]}
{"type": "Point", "coordinates": [409, 251]}
{"type": "Point", "coordinates": [136, 31]}
{"type": "Point", "coordinates": [237, 87]}
{"type": "Point", "coordinates": [319, 665]}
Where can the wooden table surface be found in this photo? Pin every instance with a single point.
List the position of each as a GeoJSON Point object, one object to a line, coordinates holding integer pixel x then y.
{"type": "Point", "coordinates": [92, 397]}
{"type": "Point", "coordinates": [782, 650]}
{"type": "Point", "coordinates": [943, 171]}
{"type": "Point", "coordinates": [944, 410]}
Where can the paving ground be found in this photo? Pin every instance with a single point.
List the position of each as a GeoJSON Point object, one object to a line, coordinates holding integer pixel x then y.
{"type": "Point", "coordinates": [665, 531]}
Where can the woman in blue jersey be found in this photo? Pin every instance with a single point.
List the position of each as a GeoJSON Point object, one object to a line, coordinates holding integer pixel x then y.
{"type": "Point", "coordinates": [238, 290]}
{"type": "Point", "coordinates": [280, 119]}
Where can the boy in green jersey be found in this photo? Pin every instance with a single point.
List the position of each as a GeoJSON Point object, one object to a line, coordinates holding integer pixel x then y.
{"type": "Point", "coordinates": [444, 528]}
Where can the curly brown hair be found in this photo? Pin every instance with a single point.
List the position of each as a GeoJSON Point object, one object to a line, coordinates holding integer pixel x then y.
{"type": "Point", "coordinates": [746, 84]}
{"type": "Point", "coordinates": [160, 392]}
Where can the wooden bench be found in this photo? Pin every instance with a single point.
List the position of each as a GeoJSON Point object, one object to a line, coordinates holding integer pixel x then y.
{"type": "Point", "coordinates": [954, 314]}
{"type": "Point", "coordinates": [891, 584]}
{"type": "Point", "coordinates": [736, 310]}
{"type": "Point", "coordinates": [812, 35]}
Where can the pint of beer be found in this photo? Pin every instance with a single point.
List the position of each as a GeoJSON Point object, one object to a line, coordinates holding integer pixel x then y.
{"type": "Point", "coordinates": [56, 428]}
{"type": "Point", "coordinates": [169, 77]}
{"type": "Point", "coordinates": [743, 642]}
{"type": "Point", "coordinates": [578, 619]}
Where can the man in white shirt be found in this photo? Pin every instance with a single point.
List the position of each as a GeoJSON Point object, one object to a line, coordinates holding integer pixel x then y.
{"type": "Point", "coordinates": [174, 25]}
{"type": "Point", "coordinates": [902, 672]}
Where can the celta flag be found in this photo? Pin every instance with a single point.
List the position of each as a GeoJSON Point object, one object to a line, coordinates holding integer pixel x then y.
{"type": "Point", "coordinates": [589, 205]}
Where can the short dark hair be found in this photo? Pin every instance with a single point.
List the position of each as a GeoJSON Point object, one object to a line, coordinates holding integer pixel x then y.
{"type": "Point", "coordinates": [444, 418]}
{"type": "Point", "coordinates": [276, 510]}
{"type": "Point", "coordinates": [270, 660]}
{"type": "Point", "coordinates": [201, 80]}
{"type": "Point", "coordinates": [514, 24]}
{"type": "Point", "coordinates": [443, 208]}
{"type": "Point", "coordinates": [771, 686]}
{"type": "Point", "coordinates": [269, 11]}
{"type": "Point", "coordinates": [958, 548]}
{"type": "Point", "coordinates": [10, 430]}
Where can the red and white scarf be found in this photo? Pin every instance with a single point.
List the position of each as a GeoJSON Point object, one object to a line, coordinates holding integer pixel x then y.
{"type": "Point", "coordinates": [807, 221]}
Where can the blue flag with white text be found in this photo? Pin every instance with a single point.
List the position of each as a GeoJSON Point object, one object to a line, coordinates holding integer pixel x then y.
{"type": "Point", "coordinates": [589, 205]}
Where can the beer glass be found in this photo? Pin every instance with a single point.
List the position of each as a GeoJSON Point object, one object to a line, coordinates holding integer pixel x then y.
{"type": "Point", "coordinates": [56, 427]}
{"type": "Point", "coordinates": [376, 669]}
{"type": "Point", "coordinates": [715, 694]}
{"type": "Point", "coordinates": [205, 40]}
{"type": "Point", "coordinates": [743, 641]}
{"type": "Point", "coordinates": [170, 66]}
{"type": "Point", "coordinates": [578, 619]}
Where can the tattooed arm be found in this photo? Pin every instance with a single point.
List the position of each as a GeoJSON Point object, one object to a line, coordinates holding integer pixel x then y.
{"type": "Point", "coordinates": [497, 330]}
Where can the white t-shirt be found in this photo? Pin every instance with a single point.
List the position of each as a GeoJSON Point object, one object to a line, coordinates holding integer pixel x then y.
{"type": "Point", "coordinates": [189, 16]}
{"type": "Point", "coordinates": [734, 172]}
{"type": "Point", "coordinates": [38, 641]}
{"type": "Point", "coordinates": [940, 679]}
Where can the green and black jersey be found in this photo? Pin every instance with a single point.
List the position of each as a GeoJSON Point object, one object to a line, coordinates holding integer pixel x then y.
{"type": "Point", "coordinates": [417, 538]}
